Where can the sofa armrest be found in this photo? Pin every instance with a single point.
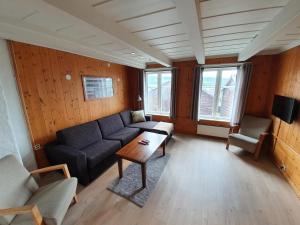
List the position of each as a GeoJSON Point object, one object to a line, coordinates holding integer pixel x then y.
{"type": "Point", "coordinates": [32, 209]}
{"type": "Point", "coordinates": [75, 160]}
{"type": "Point", "coordinates": [148, 117]}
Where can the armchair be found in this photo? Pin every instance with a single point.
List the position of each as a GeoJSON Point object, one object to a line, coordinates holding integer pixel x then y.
{"type": "Point", "coordinates": [250, 135]}
{"type": "Point", "coordinates": [22, 201]}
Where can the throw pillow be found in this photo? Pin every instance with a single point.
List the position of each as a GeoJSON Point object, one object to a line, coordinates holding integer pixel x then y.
{"type": "Point", "coordinates": [138, 116]}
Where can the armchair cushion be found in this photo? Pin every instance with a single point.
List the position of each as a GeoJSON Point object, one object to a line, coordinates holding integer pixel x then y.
{"type": "Point", "coordinates": [53, 201]}
{"type": "Point", "coordinates": [97, 152]}
{"type": "Point", "coordinates": [124, 135]}
{"type": "Point", "coordinates": [17, 185]}
{"type": "Point", "coordinates": [254, 126]}
{"type": "Point", "coordinates": [242, 141]}
{"type": "Point", "coordinates": [81, 135]}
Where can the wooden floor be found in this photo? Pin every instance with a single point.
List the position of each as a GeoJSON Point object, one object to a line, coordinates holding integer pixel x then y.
{"type": "Point", "coordinates": [201, 184]}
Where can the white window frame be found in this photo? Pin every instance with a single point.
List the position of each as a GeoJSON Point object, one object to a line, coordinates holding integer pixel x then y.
{"type": "Point", "coordinates": [159, 72]}
{"type": "Point", "coordinates": [216, 95]}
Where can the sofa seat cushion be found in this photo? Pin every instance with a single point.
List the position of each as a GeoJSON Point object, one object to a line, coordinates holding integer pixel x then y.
{"type": "Point", "coordinates": [53, 201]}
{"type": "Point", "coordinates": [97, 152]}
{"type": "Point", "coordinates": [145, 126]}
{"type": "Point", "coordinates": [81, 135]}
{"type": "Point", "coordinates": [125, 135]}
{"type": "Point", "coordinates": [242, 141]}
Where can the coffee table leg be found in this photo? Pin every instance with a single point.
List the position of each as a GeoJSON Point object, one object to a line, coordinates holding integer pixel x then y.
{"type": "Point", "coordinates": [144, 174]}
{"type": "Point", "coordinates": [120, 166]}
{"type": "Point", "coordinates": [164, 148]}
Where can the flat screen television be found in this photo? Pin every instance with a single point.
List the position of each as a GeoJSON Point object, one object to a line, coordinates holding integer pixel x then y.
{"type": "Point", "coordinates": [284, 108]}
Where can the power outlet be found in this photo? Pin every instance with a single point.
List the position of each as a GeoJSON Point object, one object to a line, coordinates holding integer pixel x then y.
{"type": "Point", "coordinates": [37, 147]}
{"type": "Point", "coordinates": [283, 168]}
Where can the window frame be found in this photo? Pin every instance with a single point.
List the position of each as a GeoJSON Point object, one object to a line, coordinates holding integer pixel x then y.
{"type": "Point", "coordinates": [216, 94]}
{"type": "Point", "coordinates": [159, 85]}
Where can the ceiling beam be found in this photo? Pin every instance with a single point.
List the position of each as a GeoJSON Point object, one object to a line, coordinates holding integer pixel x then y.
{"type": "Point", "coordinates": [88, 14]}
{"type": "Point", "coordinates": [287, 15]}
{"type": "Point", "coordinates": [189, 12]}
{"type": "Point", "coordinates": [16, 31]}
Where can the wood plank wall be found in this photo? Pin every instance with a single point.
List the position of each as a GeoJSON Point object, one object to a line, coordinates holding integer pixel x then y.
{"type": "Point", "coordinates": [256, 101]}
{"type": "Point", "coordinates": [51, 102]}
{"type": "Point", "coordinates": [286, 137]}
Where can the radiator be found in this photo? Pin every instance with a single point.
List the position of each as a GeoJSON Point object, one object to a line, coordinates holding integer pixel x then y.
{"type": "Point", "coordinates": [213, 131]}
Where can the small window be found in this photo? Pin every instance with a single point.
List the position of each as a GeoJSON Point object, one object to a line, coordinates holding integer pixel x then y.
{"type": "Point", "coordinates": [157, 92]}
{"type": "Point", "coordinates": [217, 93]}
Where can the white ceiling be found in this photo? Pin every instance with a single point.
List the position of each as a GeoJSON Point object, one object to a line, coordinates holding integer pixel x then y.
{"type": "Point", "coordinates": [136, 32]}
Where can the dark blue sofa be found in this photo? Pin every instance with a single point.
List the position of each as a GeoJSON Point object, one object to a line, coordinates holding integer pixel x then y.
{"type": "Point", "coordinates": [89, 149]}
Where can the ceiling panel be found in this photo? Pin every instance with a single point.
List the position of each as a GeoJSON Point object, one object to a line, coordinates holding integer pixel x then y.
{"type": "Point", "coordinates": [240, 18]}
{"type": "Point", "coordinates": [229, 42]}
{"type": "Point", "coordinates": [164, 40]}
{"type": "Point", "coordinates": [173, 45]}
{"type": "Point", "coordinates": [122, 9]}
{"type": "Point", "coordinates": [221, 7]}
{"type": "Point", "coordinates": [236, 36]}
{"type": "Point", "coordinates": [179, 49]}
{"type": "Point", "coordinates": [152, 20]}
{"type": "Point", "coordinates": [163, 31]}
{"type": "Point", "coordinates": [234, 29]}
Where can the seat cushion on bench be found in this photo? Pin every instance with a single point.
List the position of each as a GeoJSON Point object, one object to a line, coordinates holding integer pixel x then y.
{"type": "Point", "coordinates": [53, 201]}
{"type": "Point", "coordinates": [125, 135]}
{"type": "Point", "coordinates": [97, 152]}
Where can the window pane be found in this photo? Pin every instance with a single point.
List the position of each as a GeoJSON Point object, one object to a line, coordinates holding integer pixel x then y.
{"type": "Point", "coordinates": [152, 92]}
{"type": "Point", "coordinates": [207, 93]}
{"type": "Point", "coordinates": [165, 92]}
{"type": "Point", "coordinates": [226, 95]}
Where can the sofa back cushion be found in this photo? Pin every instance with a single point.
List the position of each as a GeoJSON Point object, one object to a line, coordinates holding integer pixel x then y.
{"type": "Point", "coordinates": [81, 135]}
{"type": "Point", "coordinates": [126, 117]}
{"type": "Point", "coordinates": [110, 124]}
{"type": "Point", "coordinates": [17, 185]}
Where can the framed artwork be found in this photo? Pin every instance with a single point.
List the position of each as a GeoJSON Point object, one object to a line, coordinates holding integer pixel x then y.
{"type": "Point", "coordinates": [97, 87]}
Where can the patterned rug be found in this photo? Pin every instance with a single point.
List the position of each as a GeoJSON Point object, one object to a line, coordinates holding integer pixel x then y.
{"type": "Point", "coordinates": [130, 186]}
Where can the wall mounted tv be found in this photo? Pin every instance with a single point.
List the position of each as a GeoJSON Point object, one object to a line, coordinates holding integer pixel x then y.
{"type": "Point", "coordinates": [284, 108]}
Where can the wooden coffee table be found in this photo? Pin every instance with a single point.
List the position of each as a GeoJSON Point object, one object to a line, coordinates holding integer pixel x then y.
{"type": "Point", "coordinates": [139, 153]}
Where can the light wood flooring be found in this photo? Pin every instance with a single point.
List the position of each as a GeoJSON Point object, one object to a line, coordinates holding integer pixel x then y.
{"type": "Point", "coordinates": [201, 184]}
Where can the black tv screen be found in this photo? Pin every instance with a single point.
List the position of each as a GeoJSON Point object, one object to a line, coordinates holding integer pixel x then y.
{"type": "Point", "coordinates": [284, 108]}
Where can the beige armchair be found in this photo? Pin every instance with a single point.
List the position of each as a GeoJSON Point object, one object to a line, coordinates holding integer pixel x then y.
{"type": "Point", "coordinates": [22, 201]}
{"type": "Point", "coordinates": [250, 135]}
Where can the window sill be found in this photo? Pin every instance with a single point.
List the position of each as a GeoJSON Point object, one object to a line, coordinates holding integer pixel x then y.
{"type": "Point", "coordinates": [212, 122]}
{"type": "Point", "coordinates": [158, 114]}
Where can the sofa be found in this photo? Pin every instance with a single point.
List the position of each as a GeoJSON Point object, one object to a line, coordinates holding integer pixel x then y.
{"type": "Point", "coordinates": [89, 149]}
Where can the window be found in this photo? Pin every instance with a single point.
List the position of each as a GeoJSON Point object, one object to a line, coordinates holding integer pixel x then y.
{"type": "Point", "coordinates": [217, 93]}
{"type": "Point", "coordinates": [157, 92]}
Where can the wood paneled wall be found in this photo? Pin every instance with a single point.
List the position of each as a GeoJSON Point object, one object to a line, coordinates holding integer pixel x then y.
{"type": "Point", "coordinates": [256, 101]}
{"type": "Point", "coordinates": [286, 137]}
{"type": "Point", "coordinates": [51, 102]}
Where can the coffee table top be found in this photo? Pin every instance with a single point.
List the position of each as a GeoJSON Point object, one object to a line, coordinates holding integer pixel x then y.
{"type": "Point", "coordinates": [139, 153]}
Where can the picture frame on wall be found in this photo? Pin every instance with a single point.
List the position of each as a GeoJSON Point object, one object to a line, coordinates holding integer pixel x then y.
{"type": "Point", "coordinates": [97, 87]}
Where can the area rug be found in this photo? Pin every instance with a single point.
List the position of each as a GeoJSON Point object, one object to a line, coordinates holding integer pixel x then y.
{"type": "Point", "coordinates": [130, 186]}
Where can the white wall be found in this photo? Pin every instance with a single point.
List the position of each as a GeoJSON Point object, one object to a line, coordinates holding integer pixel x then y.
{"type": "Point", "coordinates": [14, 136]}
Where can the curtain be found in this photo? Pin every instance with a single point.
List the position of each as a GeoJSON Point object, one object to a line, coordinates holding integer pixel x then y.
{"type": "Point", "coordinates": [241, 90]}
{"type": "Point", "coordinates": [197, 83]}
{"type": "Point", "coordinates": [174, 82]}
{"type": "Point", "coordinates": [140, 97]}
